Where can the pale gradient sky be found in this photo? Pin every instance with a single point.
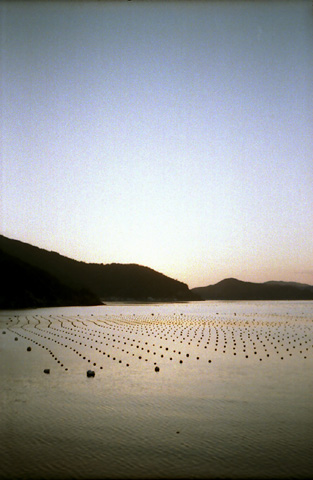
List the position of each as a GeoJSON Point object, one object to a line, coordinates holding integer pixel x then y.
{"type": "Point", "coordinates": [175, 135]}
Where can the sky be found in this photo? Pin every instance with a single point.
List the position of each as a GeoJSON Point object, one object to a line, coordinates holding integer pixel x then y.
{"type": "Point", "coordinates": [175, 135]}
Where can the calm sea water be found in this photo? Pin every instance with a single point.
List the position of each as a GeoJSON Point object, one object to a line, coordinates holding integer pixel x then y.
{"type": "Point", "coordinates": [232, 397]}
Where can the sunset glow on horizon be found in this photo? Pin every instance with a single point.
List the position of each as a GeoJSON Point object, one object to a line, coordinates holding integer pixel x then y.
{"type": "Point", "coordinates": [174, 135]}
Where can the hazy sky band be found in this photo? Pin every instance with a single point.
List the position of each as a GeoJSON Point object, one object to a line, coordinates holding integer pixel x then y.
{"type": "Point", "coordinates": [175, 135]}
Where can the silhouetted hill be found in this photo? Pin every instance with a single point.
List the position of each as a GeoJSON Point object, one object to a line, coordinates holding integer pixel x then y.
{"type": "Point", "coordinates": [293, 284]}
{"type": "Point", "coordinates": [233, 289]}
{"type": "Point", "coordinates": [25, 286]}
{"type": "Point", "coordinates": [110, 282]}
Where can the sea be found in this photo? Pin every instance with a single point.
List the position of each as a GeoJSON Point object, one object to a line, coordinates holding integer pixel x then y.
{"type": "Point", "coordinates": [213, 389]}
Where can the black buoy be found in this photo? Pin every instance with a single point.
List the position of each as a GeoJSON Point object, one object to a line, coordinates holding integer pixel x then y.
{"type": "Point", "coordinates": [29, 349]}
{"type": "Point", "coordinates": [46, 370]}
{"type": "Point", "coordinates": [157, 369]}
{"type": "Point", "coordinates": [90, 373]}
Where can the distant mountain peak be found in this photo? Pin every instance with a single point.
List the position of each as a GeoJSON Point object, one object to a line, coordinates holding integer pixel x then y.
{"type": "Point", "coordinates": [230, 280]}
{"type": "Point", "coordinates": [234, 289]}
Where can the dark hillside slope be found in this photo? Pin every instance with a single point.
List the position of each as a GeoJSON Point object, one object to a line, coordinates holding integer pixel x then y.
{"type": "Point", "coordinates": [25, 286]}
{"type": "Point", "coordinates": [233, 289]}
{"type": "Point", "coordinates": [114, 281]}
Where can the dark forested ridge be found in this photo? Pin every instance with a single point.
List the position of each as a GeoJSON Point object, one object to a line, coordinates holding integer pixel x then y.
{"type": "Point", "coordinates": [34, 277]}
{"type": "Point", "coordinates": [233, 289]}
{"type": "Point", "coordinates": [108, 282]}
{"type": "Point", "coordinates": [25, 286]}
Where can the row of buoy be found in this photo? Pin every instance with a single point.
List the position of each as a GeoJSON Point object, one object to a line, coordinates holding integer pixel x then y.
{"type": "Point", "coordinates": [198, 342]}
{"type": "Point", "coordinates": [165, 337]}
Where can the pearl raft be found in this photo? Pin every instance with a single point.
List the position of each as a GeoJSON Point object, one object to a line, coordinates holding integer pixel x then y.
{"type": "Point", "coordinates": [233, 378]}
